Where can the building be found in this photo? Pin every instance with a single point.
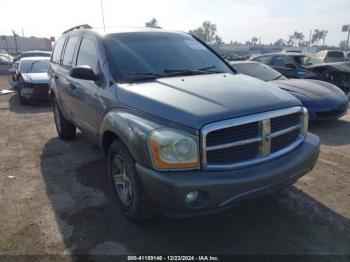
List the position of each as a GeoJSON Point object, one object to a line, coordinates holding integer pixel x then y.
{"type": "Point", "coordinates": [8, 43]}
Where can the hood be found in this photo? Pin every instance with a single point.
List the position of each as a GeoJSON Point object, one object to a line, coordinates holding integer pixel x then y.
{"type": "Point", "coordinates": [335, 67]}
{"type": "Point", "coordinates": [314, 89]}
{"type": "Point", "coordinates": [194, 101]}
{"type": "Point", "coordinates": [36, 78]}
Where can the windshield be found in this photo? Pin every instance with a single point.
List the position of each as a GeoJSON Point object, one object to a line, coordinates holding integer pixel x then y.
{"type": "Point", "coordinates": [257, 70]}
{"type": "Point", "coordinates": [36, 66]}
{"type": "Point", "coordinates": [159, 54]}
{"type": "Point", "coordinates": [307, 60]}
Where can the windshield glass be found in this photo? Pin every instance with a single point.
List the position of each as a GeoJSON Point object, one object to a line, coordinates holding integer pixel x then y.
{"type": "Point", "coordinates": [158, 53]}
{"type": "Point", "coordinates": [307, 60]}
{"type": "Point", "coordinates": [36, 66]}
{"type": "Point", "coordinates": [257, 70]}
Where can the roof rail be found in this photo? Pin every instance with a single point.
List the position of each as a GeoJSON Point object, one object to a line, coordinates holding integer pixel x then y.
{"type": "Point", "coordinates": [84, 26]}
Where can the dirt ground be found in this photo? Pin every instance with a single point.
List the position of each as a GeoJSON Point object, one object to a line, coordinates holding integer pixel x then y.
{"type": "Point", "coordinates": [55, 199]}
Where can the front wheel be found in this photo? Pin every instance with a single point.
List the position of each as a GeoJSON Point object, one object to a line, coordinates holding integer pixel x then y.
{"type": "Point", "coordinates": [65, 129]}
{"type": "Point", "coordinates": [126, 184]}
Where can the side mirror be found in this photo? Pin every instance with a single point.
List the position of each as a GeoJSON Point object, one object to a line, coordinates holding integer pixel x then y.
{"type": "Point", "coordinates": [291, 66]}
{"type": "Point", "coordinates": [83, 72]}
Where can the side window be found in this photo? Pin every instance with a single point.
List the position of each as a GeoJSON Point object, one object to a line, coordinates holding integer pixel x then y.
{"type": "Point", "coordinates": [264, 59]}
{"type": "Point", "coordinates": [283, 61]}
{"type": "Point", "coordinates": [57, 51]}
{"type": "Point", "coordinates": [69, 51]}
{"type": "Point", "coordinates": [88, 54]}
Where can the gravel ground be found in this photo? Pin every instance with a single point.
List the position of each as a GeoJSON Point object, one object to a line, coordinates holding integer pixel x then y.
{"type": "Point", "coordinates": [55, 199]}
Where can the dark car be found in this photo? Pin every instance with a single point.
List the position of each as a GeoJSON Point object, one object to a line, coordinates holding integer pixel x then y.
{"type": "Point", "coordinates": [31, 79]}
{"type": "Point", "coordinates": [323, 100]}
{"type": "Point", "coordinates": [232, 57]}
{"type": "Point", "coordinates": [34, 53]}
{"type": "Point", "coordinates": [181, 130]}
{"type": "Point", "coordinates": [298, 65]}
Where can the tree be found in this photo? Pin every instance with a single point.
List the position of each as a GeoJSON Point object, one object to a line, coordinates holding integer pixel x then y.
{"type": "Point", "coordinates": [304, 43]}
{"type": "Point", "coordinates": [324, 35]}
{"type": "Point", "coordinates": [280, 42]}
{"type": "Point", "coordinates": [254, 40]}
{"type": "Point", "coordinates": [290, 41]}
{"type": "Point", "coordinates": [298, 36]}
{"type": "Point", "coordinates": [152, 23]}
{"type": "Point", "coordinates": [342, 44]}
{"type": "Point", "coordinates": [207, 33]}
{"type": "Point", "coordinates": [318, 35]}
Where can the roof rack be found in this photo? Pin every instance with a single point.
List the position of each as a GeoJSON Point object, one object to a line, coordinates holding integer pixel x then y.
{"type": "Point", "coordinates": [84, 26]}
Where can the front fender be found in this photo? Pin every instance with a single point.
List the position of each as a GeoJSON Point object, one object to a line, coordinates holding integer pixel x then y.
{"type": "Point", "coordinates": [130, 128]}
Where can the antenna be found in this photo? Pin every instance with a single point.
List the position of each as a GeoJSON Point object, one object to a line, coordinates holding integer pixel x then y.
{"type": "Point", "coordinates": [103, 16]}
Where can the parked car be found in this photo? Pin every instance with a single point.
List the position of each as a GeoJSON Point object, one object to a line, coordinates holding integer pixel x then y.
{"type": "Point", "coordinates": [347, 55]}
{"type": "Point", "coordinates": [296, 65]}
{"type": "Point", "coordinates": [13, 69]}
{"type": "Point", "coordinates": [5, 59]}
{"type": "Point", "coordinates": [323, 100]}
{"type": "Point", "coordinates": [182, 132]}
{"type": "Point", "coordinates": [32, 81]}
{"type": "Point", "coordinates": [33, 53]}
{"type": "Point", "coordinates": [232, 57]}
{"type": "Point", "coordinates": [331, 56]}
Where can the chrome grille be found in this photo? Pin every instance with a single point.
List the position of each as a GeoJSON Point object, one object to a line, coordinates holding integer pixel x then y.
{"type": "Point", "coordinates": [248, 140]}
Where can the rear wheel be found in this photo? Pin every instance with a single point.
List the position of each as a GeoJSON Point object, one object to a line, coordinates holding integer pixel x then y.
{"type": "Point", "coordinates": [22, 100]}
{"type": "Point", "coordinates": [65, 129]}
{"type": "Point", "coordinates": [126, 184]}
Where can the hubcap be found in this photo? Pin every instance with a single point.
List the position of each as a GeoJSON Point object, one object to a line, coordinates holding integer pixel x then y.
{"type": "Point", "coordinates": [57, 117]}
{"type": "Point", "coordinates": [122, 182]}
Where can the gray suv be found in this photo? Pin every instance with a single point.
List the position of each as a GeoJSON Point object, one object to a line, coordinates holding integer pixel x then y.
{"type": "Point", "coordinates": [183, 133]}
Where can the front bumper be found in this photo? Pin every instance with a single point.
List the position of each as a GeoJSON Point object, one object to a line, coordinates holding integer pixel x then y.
{"type": "Point", "coordinates": [223, 189]}
{"type": "Point", "coordinates": [328, 112]}
{"type": "Point", "coordinates": [38, 92]}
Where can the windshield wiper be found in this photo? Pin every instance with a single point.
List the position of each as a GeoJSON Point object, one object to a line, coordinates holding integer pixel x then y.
{"type": "Point", "coordinates": [179, 72]}
{"type": "Point", "coordinates": [145, 75]}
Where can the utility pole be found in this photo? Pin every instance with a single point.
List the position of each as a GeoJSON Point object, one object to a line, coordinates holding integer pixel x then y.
{"type": "Point", "coordinates": [347, 42]}
{"type": "Point", "coordinates": [346, 28]}
{"type": "Point", "coordinates": [22, 32]}
{"type": "Point", "coordinates": [310, 37]}
{"type": "Point", "coordinates": [103, 16]}
{"type": "Point", "coordinates": [15, 38]}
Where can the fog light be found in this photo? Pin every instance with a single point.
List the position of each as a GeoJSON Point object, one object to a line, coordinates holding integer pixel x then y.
{"type": "Point", "coordinates": [191, 197]}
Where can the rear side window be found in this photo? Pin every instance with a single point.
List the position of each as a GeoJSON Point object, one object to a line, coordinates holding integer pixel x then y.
{"type": "Point", "coordinates": [87, 54]}
{"type": "Point", "coordinates": [57, 51]}
{"type": "Point", "coordinates": [69, 51]}
{"type": "Point", "coordinates": [335, 54]}
{"type": "Point", "coordinates": [283, 61]}
{"type": "Point", "coordinates": [264, 59]}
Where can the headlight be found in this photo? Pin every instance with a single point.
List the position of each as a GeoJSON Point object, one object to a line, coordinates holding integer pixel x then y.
{"type": "Point", "coordinates": [304, 121]}
{"type": "Point", "coordinates": [171, 149]}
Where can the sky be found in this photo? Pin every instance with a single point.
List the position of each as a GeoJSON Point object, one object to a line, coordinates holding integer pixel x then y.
{"type": "Point", "coordinates": [236, 20]}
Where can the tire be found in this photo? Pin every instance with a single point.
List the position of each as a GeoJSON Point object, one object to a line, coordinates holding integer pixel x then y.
{"type": "Point", "coordinates": [66, 130]}
{"type": "Point", "coordinates": [121, 169]}
{"type": "Point", "coordinates": [22, 100]}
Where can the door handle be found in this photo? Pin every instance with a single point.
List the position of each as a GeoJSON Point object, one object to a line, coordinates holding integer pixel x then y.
{"type": "Point", "coordinates": [55, 76]}
{"type": "Point", "coordinates": [72, 86]}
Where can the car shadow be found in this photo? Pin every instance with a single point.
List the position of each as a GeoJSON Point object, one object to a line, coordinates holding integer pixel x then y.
{"type": "Point", "coordinates": [332, 133]}
{"type": "Point", "coordinates": [91, 223]}
{"type": "Point", "coordinates": [30, 108]}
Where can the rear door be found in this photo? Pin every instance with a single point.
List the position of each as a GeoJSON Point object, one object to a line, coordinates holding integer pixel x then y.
{"type": "Point", "coordinates": [65, 66]}
{"type": "Point", "coordinates": [84, 95]}
{"type": "Point", "coordinates": [56, 76]}
{"type": "Point", "coordinates": [285, 65]}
